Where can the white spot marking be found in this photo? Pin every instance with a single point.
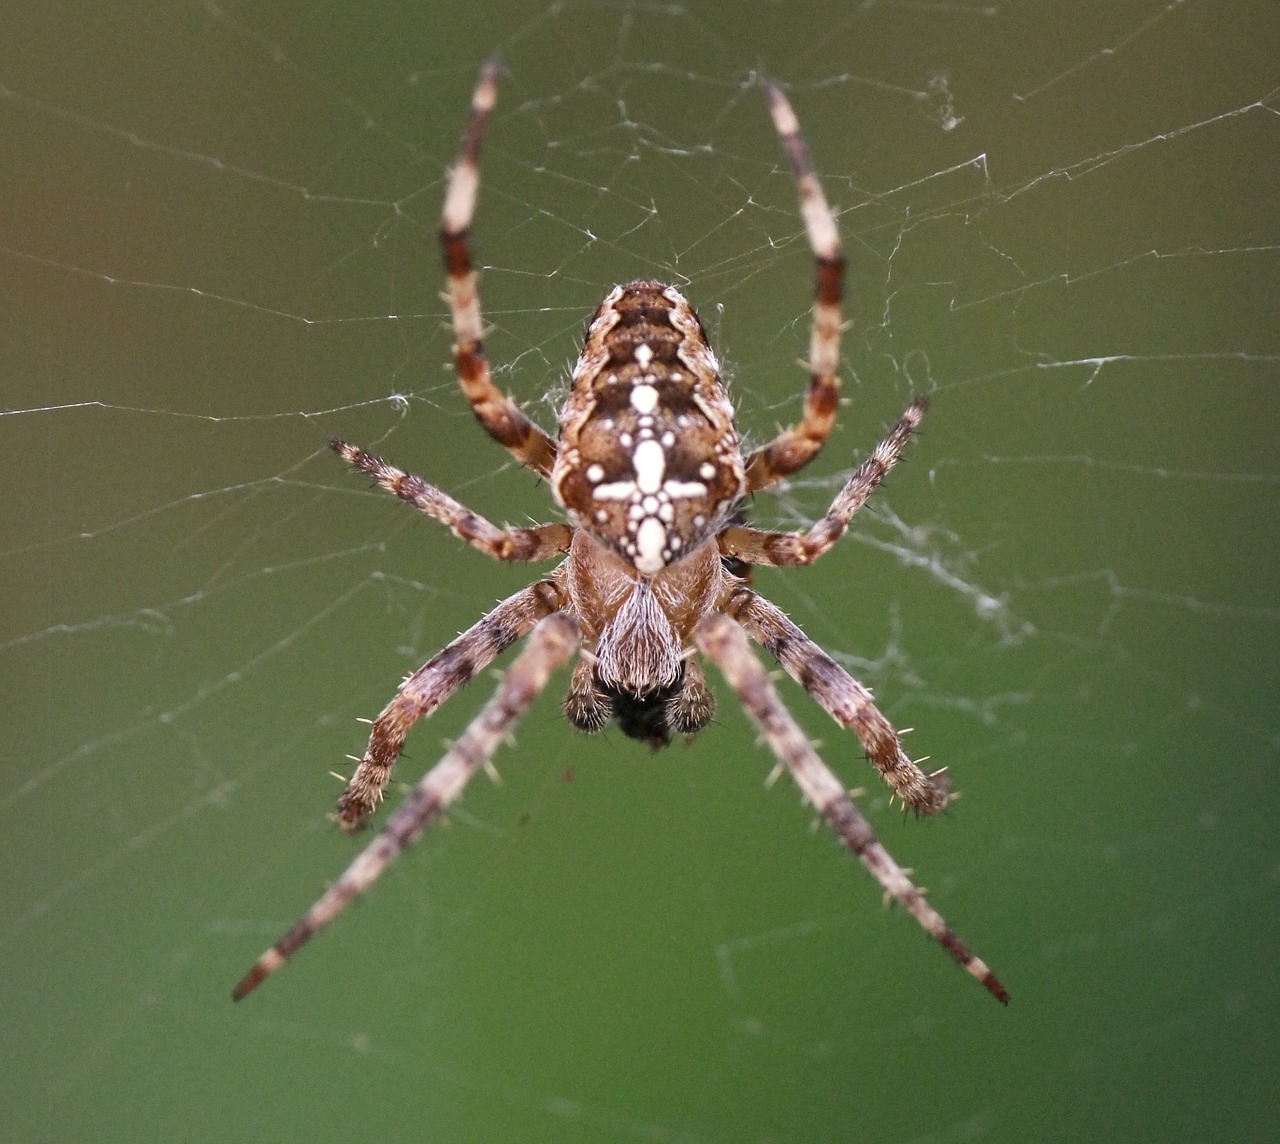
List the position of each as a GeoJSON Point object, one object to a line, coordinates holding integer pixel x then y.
{"type": "Point", "coordinates": [618, 490]}
{"type": "Point", "coordinates": [650, 463]}
{"type": "Point", "coordinates": [651, 539]}
{"type": "Point", "coordinates": [595, 473]}
{"type": "Point", "coordinates": [644, 398]}
{"type": "Point", "coordinates": [644, 355]}
{"type": "Point", "coordinates": [684, 489]}
{"type": "Point", "coordinates": [706, 470]}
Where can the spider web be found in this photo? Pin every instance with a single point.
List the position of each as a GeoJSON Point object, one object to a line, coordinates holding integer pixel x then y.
{"type": "Point", "coordinates": [218, 251]}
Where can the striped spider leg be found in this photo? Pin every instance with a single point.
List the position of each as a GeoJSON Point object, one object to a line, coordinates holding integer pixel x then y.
{"type": "Point", "coordinates": [846, 700]}
{"type": "Point", "coordinates": [795, 447]}
{"type": "Point", "coordinates": [724, 642]}
{"type": "Point", "coordinates": [648, 469]}
{"type": "Point", "coordinates": [473, 651]}
{"type": "Point", "coordinates": [502, 419]}
{"type": "Point", "coordinates": [552, 642]}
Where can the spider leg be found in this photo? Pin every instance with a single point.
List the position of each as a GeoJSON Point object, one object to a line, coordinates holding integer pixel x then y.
{"type": "Point", "coordinates": [796, 446]}
{"type": "Point", "coordinates": [724, 642]}
{"type": "Point", "coordinates": [437, 680]}
{"type": "Point", "coordinates": [784, 548]}
{"type": "Point", "coordinates": [552, 643]}
{"type": "Point", "coordinates": [540, 543]}
{"type": "Point", "coordinates": [500, 416]}
{"type": "Point", "coordinates": [842, 697]}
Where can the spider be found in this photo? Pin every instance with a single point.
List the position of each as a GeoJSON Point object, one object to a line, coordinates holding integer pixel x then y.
{"type": "Point", "coordinates": [648, 469]}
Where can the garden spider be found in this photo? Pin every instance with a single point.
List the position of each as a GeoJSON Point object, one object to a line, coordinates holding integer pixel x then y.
{"type": "Point", "coordinates": [648, 469]}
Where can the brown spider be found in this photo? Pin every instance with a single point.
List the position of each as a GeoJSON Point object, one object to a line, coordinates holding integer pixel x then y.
{"type": "Point", "coordinates": [648, 469]}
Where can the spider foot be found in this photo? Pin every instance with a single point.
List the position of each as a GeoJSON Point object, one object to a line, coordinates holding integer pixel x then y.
{"type": "Point", "coordinates": [358, 802]}
{"type": "Point", "coordinates": [926, 793]}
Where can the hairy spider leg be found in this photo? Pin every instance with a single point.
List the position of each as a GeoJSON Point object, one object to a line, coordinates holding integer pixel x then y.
{"type": "Point", "coordinates": [788, 548]}
{"type": "Point", "coordinates": [846, 700]}
{"type": "Point", "coordinates": [434, 682]}
{"type": "Point", "coordinates": [722, 640]}
{"type": "Point", "coordinates": [501, 417]}
{"type": "Point", "coordinates": [551, 644]}
{"type": "Point", "coordinates": [798, 445]}
{"type": "Point", "coordinates": [543, 542]}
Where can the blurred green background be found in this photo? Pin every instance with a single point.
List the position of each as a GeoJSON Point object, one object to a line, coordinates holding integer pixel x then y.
{"type": "Point", "coordinates": [217, 250]}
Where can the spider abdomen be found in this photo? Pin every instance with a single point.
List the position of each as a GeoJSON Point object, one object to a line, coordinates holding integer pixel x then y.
{"type": "Point", "coordinates": [648, 457]}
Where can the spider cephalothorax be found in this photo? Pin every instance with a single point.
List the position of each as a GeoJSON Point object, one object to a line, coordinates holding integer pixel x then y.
{"type": "Point", "coordinates": [648, 468]}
